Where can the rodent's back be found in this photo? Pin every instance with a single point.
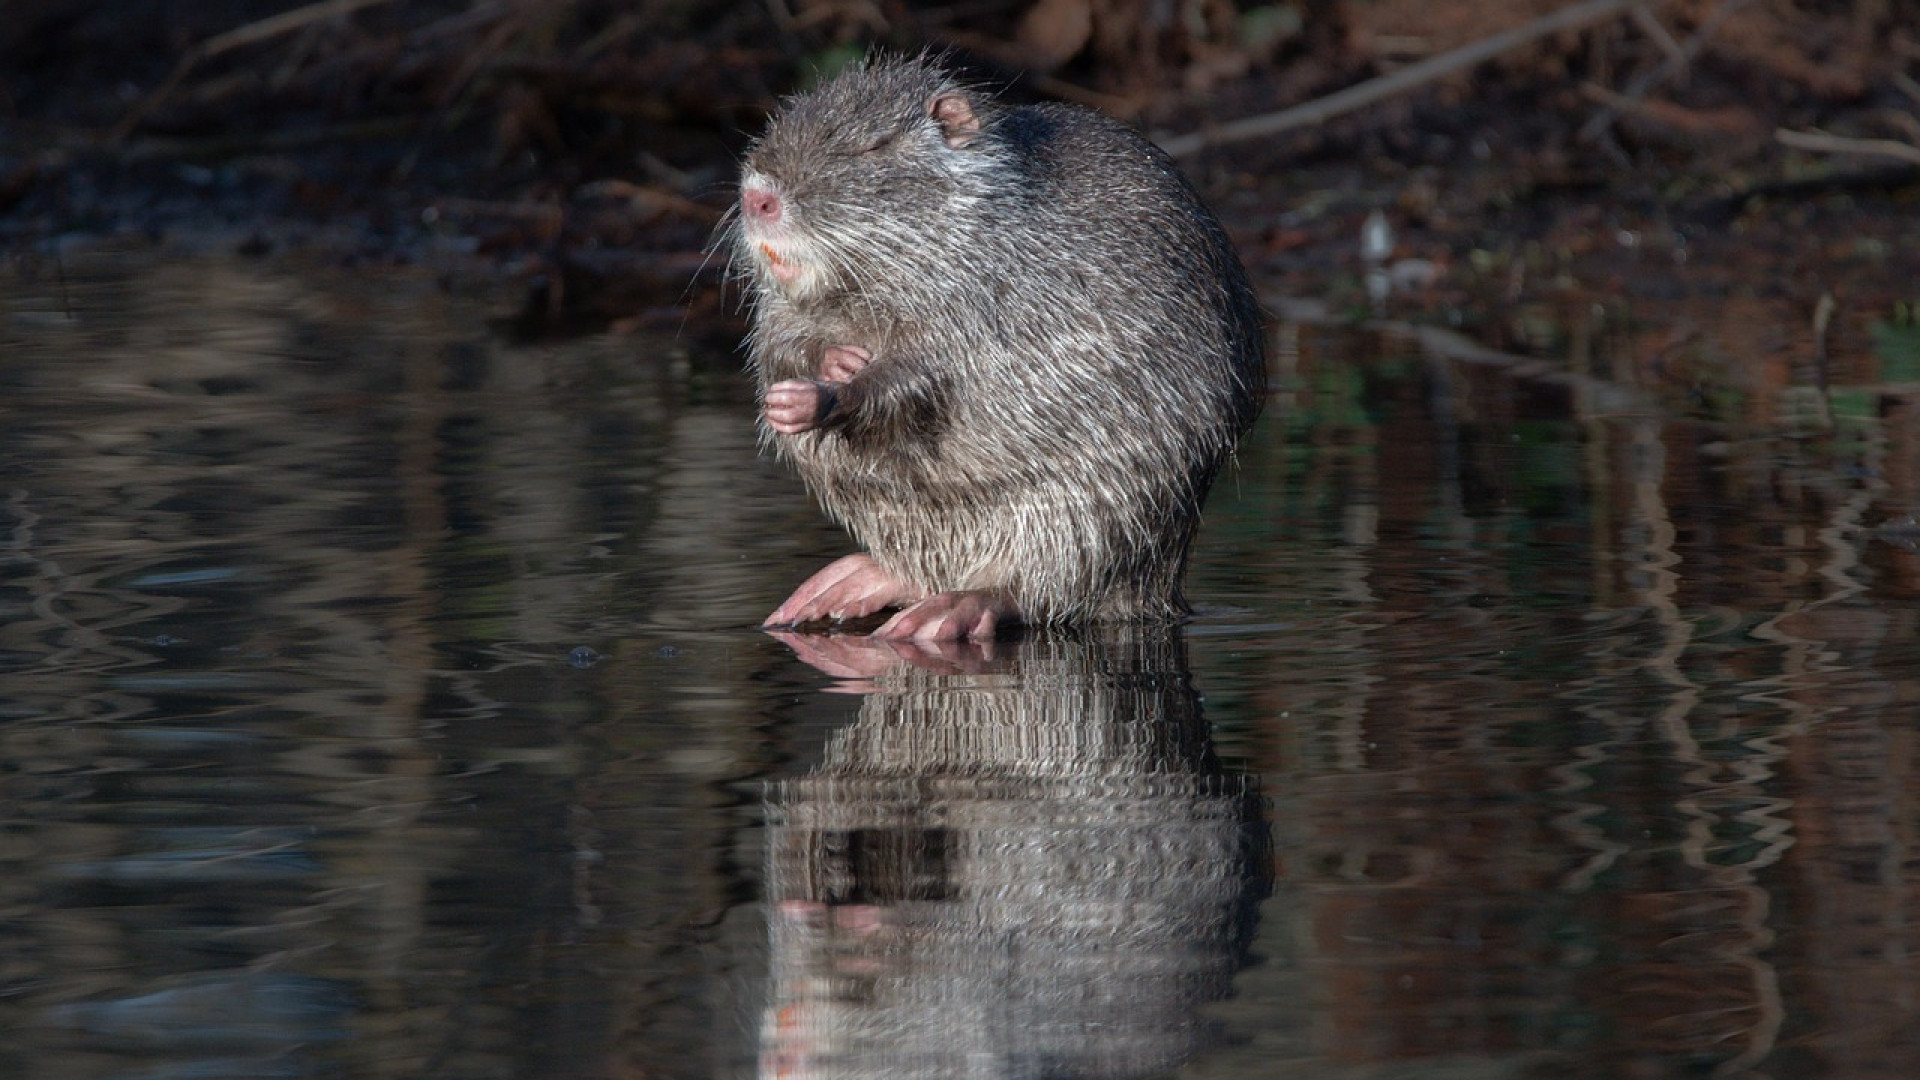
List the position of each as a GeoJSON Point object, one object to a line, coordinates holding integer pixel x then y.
{"type": "Point", "coordinates": [1109, 217]}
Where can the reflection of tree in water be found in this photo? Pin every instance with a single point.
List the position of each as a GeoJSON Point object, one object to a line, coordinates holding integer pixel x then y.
{"type": "Point", "coordinates": [1036, 871]}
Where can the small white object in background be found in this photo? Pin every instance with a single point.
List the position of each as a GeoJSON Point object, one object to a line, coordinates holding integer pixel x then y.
{"type": "Point", "coordinates": [1376, 243]}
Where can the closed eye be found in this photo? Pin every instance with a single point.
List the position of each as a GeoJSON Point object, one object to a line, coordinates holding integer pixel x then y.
{"type": "Point", "coordinates": [880, 142]}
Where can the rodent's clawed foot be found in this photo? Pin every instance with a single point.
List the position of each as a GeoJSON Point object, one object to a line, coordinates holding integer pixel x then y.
{"type": "Point", "coordinates": [843, 362]}
{"type": "Point", "coordinates": [951, 616]}
{"type": "Point", "coordinates": [845, 588]}
{"type": "Point", "coordinates": [797, 405]}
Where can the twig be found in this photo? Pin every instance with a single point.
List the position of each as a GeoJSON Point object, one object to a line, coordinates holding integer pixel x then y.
{"type": "Point", "coordinates": [252, 33]}
{"type": "Point", "coordinates": [1907, 85]}
{"type": "Point", "coordinates": [1822, 143]}
{"type": "Point", "coordinates": [1906, 122]}
{"type": "Point", "coordinates": [1674, 64]}
{"type": "Point", "coordinates": [417, 42]}
{"type": "Point", "coordinates": [480, 55]}
{"type": "Point", "coordinates": [284, 23]}
{"type": "Point", "coordinates": [645, 198]}
{"type": "Point", "coordinates": [1577, 17]}
{"type": "Point", "coordinates": [379, 127]}
{"type": "Point", "coordinates": [458, 23]}
{"type": "Point", "coordinates": [1657, 32]}
{"type": "Point", "coordinates": [1728, 121]}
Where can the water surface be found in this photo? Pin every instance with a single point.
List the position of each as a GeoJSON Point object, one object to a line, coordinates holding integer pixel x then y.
{"type": "Point", "coordinates": [382, 698]}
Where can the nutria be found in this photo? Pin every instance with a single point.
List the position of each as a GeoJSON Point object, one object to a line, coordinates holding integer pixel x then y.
{"type": "Point", "coordinates": [1007, 347]}
{"type": "Point", "coordinates": [941, 895]}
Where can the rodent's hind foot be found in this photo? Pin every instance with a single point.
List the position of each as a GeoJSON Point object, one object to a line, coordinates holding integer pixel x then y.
{"type": "Point", "coordinates": [846, 588]}
{"type": "Point", "coordinates": [979, 615]}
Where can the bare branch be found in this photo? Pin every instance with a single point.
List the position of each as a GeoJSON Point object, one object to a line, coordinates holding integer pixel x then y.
{"type": "Point", "coordinates": [274, 26]}
{"type": "Point", "coordinates": [1577, 17]}
{"type": "Point", "coordinates": [1675, 63]}
{"type": "Point", "coordinates": [1822, 143]}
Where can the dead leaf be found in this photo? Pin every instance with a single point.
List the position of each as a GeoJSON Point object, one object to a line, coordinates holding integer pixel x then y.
{"type": "Point", "coordinates": [1054, 31]}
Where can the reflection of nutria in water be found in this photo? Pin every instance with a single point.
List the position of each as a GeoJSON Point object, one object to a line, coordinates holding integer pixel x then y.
{"type": "Point", "coordinates": [1035, 871]}
{"type": "Point", "coordinates": [1007, 347]}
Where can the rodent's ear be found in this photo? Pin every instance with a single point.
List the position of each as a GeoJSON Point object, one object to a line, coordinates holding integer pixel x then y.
{"type": "Point", "coordinates": [959, 125]}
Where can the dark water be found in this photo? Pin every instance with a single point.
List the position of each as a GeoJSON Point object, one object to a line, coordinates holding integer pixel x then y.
{"type": "Point", "coordinates": [383, 699]}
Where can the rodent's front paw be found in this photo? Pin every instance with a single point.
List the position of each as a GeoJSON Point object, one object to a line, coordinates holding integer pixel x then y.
{"type": "Point", "coordinates": [796, 405]}
{"type": "Point", "coordinates": [843, 362]}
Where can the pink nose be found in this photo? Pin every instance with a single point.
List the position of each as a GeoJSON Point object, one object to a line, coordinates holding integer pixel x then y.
{"type": "Point", "coordinates": [760, 204]}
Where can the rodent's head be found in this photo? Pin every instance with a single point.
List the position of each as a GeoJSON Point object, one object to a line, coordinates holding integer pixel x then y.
{"type": "Point", "coordinates": [854, 179]}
